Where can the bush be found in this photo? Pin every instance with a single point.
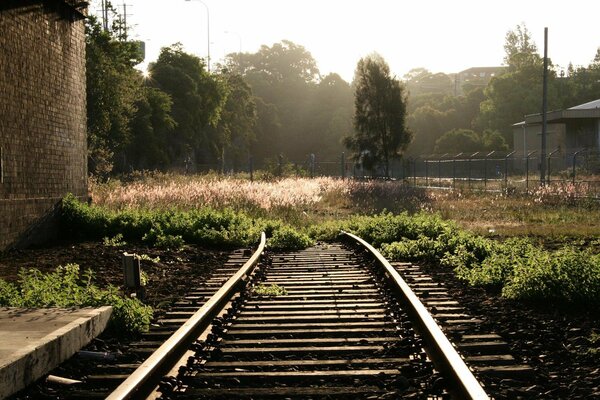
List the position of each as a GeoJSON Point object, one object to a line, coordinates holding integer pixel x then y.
{"type": "Point", "coordinates": [289, 239]}
{"type": "Point", "coordinates": [567, 275]}
{"type": "Point", "coordinates": [172, 229]}
{"type": "Point", "coordinates": [65, 288]}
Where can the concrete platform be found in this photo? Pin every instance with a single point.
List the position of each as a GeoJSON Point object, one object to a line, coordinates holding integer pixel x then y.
{"type": "Point", "coordinates": [34, 341]}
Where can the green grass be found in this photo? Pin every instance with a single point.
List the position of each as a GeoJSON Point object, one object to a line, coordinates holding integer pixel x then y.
{"type": "Point", "coordinates": [272, 290]}
{"type": "Point", "coordinates": [66, 287]}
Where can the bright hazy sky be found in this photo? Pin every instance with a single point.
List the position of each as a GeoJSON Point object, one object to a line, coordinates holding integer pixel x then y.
{"type": "Point", "coordinates": [440, 35]}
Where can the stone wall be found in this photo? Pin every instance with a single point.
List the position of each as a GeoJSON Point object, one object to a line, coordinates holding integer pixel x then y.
{"type": "Point", "coordinates": [43, 149]}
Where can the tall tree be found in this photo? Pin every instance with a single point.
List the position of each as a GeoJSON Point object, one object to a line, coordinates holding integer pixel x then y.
{"type": "Point", "coordinates": [379, 114]}
{"type": "Point", "coordinates": [520, 49]}
{"type": "Point", "coordinates": [512, 95]}
{"type": "Point", "coordinates": [198, 99]}
{"type": "Point", "coordinates": [113, 88]}
{"type": "Point", "coordinates": [236, 128]}
{"type": "Point", "coordinates": [151, 128]}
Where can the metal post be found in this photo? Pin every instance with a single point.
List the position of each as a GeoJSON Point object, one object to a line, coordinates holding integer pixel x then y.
{"type": "Point", "coordinates": [131, 271]}
{"type": "Point", "coordinates": [440, 169]}
{"type": "Point", "coordinates": [207, 34]}
{"type": "Point", "coordinates": [506, 169]}
{"type": "Point", "coordinates": [280, 165]}
{"type": "Point", "coordinates": [312, 165]}
{"type": "Point", "coordinates": [251, 167]}
{"type": "Point", "coordinates": [415, 172]}
{"type": "Point", "coordinates": [426, 173]}
{"type": "Point", "coordinates": [485, 169]}
{"type": "Point", "coordinates": [454, 169]}
{"type": "Point", "coordinates": [544, 109]}
{"type": "Point", "coordinates": [470, 160]}
{"type": "Point", "coordinates": [343, 165]}
{"type": "Point", "coordinates": [527, 170]}
{"type": "Point", "coordinates": [575, 164]}
{"type": "Point", "coordinates": [548, 161]}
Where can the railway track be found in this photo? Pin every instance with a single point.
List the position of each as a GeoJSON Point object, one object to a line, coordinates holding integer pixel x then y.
{"type": "Point", "coordinates": [344, 327]}
{"type": "Point", "coordinates": [343, 323]}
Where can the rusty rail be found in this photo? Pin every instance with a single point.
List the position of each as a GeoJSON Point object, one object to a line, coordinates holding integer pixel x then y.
{"type": "Point", "coordinates": [143, 380]}
{"type": "Point", "coordinates": [444, 354]}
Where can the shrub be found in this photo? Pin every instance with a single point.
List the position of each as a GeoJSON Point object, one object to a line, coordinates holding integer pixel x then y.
{"type": "Point", "coordinates": [566, 275]}
{"type": "Point", "coordinates": [289, 239]}
{"type": "Point", "coordinates": [172, 228]}
{"type": "Point", "coordinates": [65, 288]}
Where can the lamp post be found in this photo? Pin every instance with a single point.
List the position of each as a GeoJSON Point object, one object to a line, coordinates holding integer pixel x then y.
{"type": "Point", "coordinates": [207, 33]}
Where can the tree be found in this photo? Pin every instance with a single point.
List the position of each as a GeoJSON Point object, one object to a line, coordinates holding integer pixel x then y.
{"type": "Point", "coordinates": [236, 128]}
{"type": "Point", "coordinates": [151, 127]}
{"type": "Point", "coordinates": [113, 88]}
{"type": "Point", "coordinates": [379, 114]}
{"type": "Point", "coordinates": [299, 112]}
{"type": "Point", "coordinates": [467, 140]}
{"type": "Point", "coordinates": [198, 99]}
{"type": "Point", "coordinates": [517, 93]}
{"type": "Point", "coordinates": [520, 49]}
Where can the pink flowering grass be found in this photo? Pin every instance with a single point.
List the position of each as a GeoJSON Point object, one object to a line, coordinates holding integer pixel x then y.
{"type": "Point", "coordinates": [195, 192]}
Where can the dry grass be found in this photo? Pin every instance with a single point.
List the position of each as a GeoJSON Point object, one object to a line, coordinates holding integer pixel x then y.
{"type": "Point", "coordinates": [551, 213]}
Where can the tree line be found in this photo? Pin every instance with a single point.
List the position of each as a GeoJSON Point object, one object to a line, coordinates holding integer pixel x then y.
{"type": "Point", "coordinates": [275, 103]}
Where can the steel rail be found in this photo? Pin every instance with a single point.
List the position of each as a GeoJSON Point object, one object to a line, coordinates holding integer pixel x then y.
{"type": "Point", "coordinates": [444, 356]}
{"type": "Point", "coordinates": [142, 381]}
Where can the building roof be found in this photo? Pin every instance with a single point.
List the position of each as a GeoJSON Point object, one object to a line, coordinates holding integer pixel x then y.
{"type": "Point", "coordinates": [587, 106]}
{"type": "Point", "coordinates": [590, 110]}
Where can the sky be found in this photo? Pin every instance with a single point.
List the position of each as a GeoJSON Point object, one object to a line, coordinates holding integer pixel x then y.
{"type": "Point", "coordinates": [440, 35]}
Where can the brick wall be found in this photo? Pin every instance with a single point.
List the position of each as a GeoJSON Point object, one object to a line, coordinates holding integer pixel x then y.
{"type": "Point", "coordinates": [42, 115]}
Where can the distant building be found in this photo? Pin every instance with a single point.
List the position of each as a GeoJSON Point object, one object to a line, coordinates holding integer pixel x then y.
{"type": "Point", "coordinates": [475, 77]}
{"type": "Point", "coordinates": [568, 131]}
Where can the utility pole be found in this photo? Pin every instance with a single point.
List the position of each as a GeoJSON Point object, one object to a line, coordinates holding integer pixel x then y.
{"type": "Point", "coordinates": [105, 15]}
{"type": "Point", "coordinates": [125, 21]}
{"type": "Point", "coordinates": [544, 111]}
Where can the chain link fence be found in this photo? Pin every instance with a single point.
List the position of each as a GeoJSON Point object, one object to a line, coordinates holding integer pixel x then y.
{"type": "Point", "coordinates": [578, 172]}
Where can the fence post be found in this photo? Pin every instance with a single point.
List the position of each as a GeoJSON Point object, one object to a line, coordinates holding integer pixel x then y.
{"type": "Point", "coordinates": [506, 170]}
{"type": "Point", "coordinates": [548, 164]}
{"type": "Point", "coordinates": [454, 169]}
{"type": "Point", "coordinates": [470, 160]}
{"type": "Point", "coordinates": [575, 164]}
{"type": "Point", "coordinates": [440, 169]}
{"type": "Point", "coordinates": [343, 165]}
{"type": "Point", "coordinates": [527, 170]}
{"type": "Point", "coordinates": [426, 173]}
{"type": "Point", "coordinates": [251, 167]}
{"type": "Point", "coordinates": [485, 169]}
{"type": "Point", "coordinates": [312, 165]}
{"type": "Point", "coordinates": [280, 165]}
{"type": "Point", "coordinates": [414, 172]}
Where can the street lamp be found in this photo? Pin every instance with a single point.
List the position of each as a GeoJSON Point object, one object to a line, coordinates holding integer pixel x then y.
{"type": "Point", "coordinates": [207, 33]}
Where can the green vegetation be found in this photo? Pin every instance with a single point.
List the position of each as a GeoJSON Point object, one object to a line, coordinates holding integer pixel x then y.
{"type": "Point", "coordinates": [518, 267]}
{"type": "Point", "coordinates": [273, 290]}
{"type": "Point", "coordinates": [379, 115]}
{"type": "Point", "coordinates": [115, 241]}
{"type": "Point", "coordinates": [66, 288]}
{"type": "Point", "coordinates": [171, 229]}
